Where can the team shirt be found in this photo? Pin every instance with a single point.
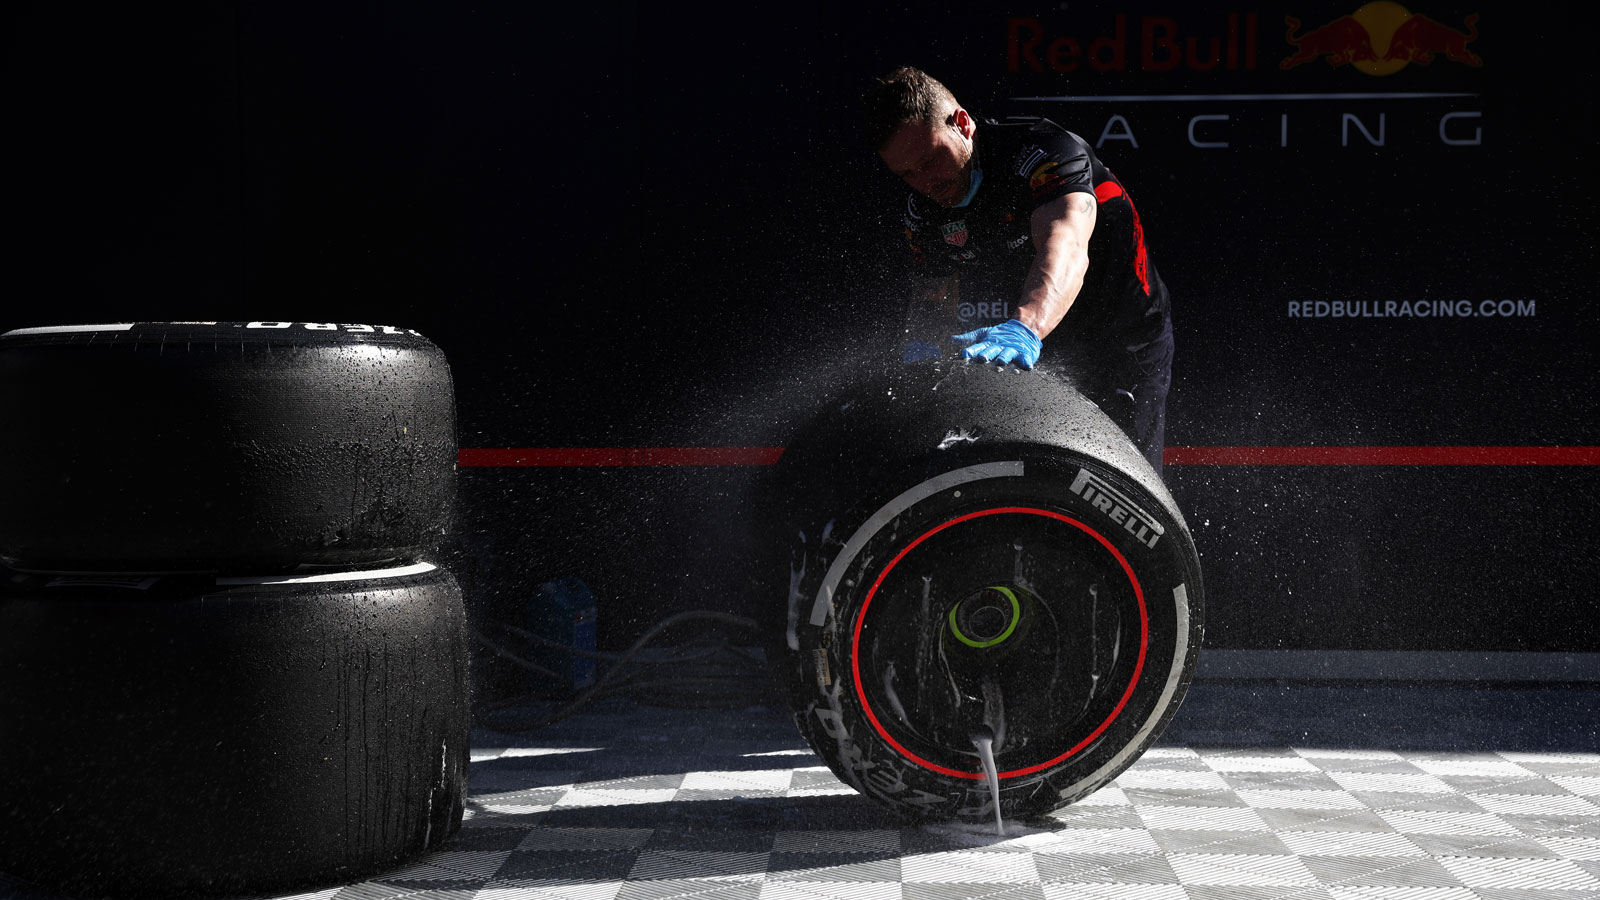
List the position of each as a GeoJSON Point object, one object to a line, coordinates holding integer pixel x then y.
{"type": "Point", "coordinates": [1026, 163]}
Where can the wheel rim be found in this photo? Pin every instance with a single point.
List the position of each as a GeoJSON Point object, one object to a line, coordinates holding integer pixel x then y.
{"type": "Point", "coordinates": [1019, 622]}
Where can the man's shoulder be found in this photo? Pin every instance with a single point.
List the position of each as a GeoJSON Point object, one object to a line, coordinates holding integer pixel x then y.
{"type": "Point", "coordinates": [1028, 128]}
{"type": "Point", "coordinates": [1025, 142]}
{"type": "Point", "coordinates": [1022, 123]}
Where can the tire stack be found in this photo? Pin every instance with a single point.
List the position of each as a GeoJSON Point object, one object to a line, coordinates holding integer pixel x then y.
{"type": "Point", "coordinates": [978, 554]}
{"type": "Point", "coordinates": [226, 662]}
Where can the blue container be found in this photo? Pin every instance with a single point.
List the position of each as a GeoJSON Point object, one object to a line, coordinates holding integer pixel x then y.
{"type": "Point", "coordinates": [564, 612]}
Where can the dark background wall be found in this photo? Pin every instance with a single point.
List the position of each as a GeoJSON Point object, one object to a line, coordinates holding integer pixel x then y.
{"type": "Point", "coordinates": [655, 225]}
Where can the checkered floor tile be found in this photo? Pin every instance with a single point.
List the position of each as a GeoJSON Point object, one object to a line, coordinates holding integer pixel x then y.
{"type": "Point", "coordinates": [629, 802]}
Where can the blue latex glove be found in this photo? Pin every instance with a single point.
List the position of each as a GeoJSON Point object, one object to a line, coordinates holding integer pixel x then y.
{"type": "Point", "coordinates": [1010, 341]}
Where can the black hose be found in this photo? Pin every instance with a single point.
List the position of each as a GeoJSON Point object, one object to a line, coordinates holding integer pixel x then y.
{"type": "Point", "coordinates": [512, 658]}
{"type": "Point", "coordinates": [602, 655]}
{"type": "Point", "coordinates": [604, 685]}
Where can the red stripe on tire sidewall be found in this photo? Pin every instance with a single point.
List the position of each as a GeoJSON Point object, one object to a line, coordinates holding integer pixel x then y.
{"type": "Point", "coordinates": [1138, 669]}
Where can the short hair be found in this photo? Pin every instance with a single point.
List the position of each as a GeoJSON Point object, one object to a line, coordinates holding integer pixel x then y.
{"type": "Point", "coordinates": [904, 95]}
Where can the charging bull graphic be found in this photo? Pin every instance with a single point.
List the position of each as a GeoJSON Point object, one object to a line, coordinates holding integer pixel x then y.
{"type": "Point", "coordinates": [1344, 40]}
{"type": "Point", "coordinates": [1419, 38]}
{"type": "Point", "coordinates": [1380, 38]}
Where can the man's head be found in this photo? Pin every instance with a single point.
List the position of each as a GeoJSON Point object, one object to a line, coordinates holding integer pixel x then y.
{"type": "Point", "coordinates": [922, 134]}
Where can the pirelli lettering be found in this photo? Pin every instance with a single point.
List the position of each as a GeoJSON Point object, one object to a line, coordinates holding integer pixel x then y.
{"type": "Point", "coordinates": [1118, 508]}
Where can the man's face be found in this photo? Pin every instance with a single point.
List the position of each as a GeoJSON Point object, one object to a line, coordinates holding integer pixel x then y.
{"type": "Point", "coordinates": [935, 159]}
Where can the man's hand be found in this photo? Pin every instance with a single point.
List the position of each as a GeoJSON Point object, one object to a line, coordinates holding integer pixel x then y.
{"type": "Point", "coordinates": [1010, 341]}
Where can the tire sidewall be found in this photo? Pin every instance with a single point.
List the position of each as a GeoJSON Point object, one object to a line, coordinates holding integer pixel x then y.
{"type": "Point", "coordinates": [173, 447]}
{"type": "Point", "coordinates": [820, 667]}
{"type": "Point", "coordinates": [258, 732]}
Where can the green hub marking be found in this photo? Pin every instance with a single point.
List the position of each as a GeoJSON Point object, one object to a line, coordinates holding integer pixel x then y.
{"type": "Point", "coordinates": [1016, 614]}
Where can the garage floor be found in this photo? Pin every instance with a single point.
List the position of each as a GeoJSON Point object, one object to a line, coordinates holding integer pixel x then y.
{"type": "Point", "coordinates": [1259, 790]}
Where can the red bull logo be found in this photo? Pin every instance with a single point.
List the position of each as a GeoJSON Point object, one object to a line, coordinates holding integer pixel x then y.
{"type": "Point", "coordinates": [1381, 38]}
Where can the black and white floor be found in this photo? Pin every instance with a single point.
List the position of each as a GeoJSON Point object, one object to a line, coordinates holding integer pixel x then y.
{"type": "Point", "coordinates": [1260, 789]}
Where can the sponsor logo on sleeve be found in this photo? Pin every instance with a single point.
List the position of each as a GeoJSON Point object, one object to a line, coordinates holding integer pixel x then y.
{"type": "Point", "coordinates": [1044, 175]}
{"type": "Point", "coordinates": [1030, 157]}
{"type": "Point", "coordinates": [1045, 179]}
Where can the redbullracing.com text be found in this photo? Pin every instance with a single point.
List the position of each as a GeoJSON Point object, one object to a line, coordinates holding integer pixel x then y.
{"type": "Point", "coordinates": [1410, 309]}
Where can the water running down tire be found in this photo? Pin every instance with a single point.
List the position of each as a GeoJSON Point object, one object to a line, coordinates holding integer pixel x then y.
{"type": "Point", "coordinates": [176, 736]}
{"type": "Point", "coordinates": [222, 447]}
{"type": "Point", "coordinates": [980, 552]}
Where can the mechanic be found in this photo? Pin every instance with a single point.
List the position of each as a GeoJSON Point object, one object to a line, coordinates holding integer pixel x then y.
{"type": "Point", "coordinates": [1018, 228]}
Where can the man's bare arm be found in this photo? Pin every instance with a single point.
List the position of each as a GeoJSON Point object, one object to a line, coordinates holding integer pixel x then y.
{"type": "Point", "coordinates": [1061, 230]}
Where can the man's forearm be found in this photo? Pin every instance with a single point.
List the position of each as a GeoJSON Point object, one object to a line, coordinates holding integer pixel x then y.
{"type": "Point", "coordinates": [1061, 231]}
{"type": "Point", "coordinates": [1053, 282]}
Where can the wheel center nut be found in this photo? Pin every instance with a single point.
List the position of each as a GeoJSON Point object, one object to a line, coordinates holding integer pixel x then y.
{"type": "Point", "coordinates": [986, 618]}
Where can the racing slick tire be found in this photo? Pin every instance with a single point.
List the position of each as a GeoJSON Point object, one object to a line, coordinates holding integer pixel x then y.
{"type": "Point", "coordinates": [185, 735]}
{"type": "Point", "coordinates": [978, 552]}
{"type": "Point", "coordinates": [222, 447]}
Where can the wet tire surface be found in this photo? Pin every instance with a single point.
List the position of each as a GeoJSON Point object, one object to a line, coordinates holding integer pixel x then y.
{"type": "Point", "coordinates": [977, 552]}
{"type": "Point", "coordinates": [176, 736]}
{"type": "Point", "coordinates": [232, 447]}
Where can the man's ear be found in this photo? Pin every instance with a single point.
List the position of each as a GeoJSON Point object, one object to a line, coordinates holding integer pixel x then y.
{"type": "Point", "coordinates": [962, 122]}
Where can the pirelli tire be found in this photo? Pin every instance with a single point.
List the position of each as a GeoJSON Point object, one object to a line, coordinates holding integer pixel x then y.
{"type": "Point", "coordinates": [185, 736]}
{"type": "Point", "coordinates": [979, 552]}
{"type": "Point", "coordinates": [231, 447]}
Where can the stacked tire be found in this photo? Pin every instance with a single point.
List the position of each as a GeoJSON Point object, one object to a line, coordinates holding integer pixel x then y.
{"type": "Point", "coordinates": [227, 663]}
{"type": "Point", "coordinates": [978, 555]}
